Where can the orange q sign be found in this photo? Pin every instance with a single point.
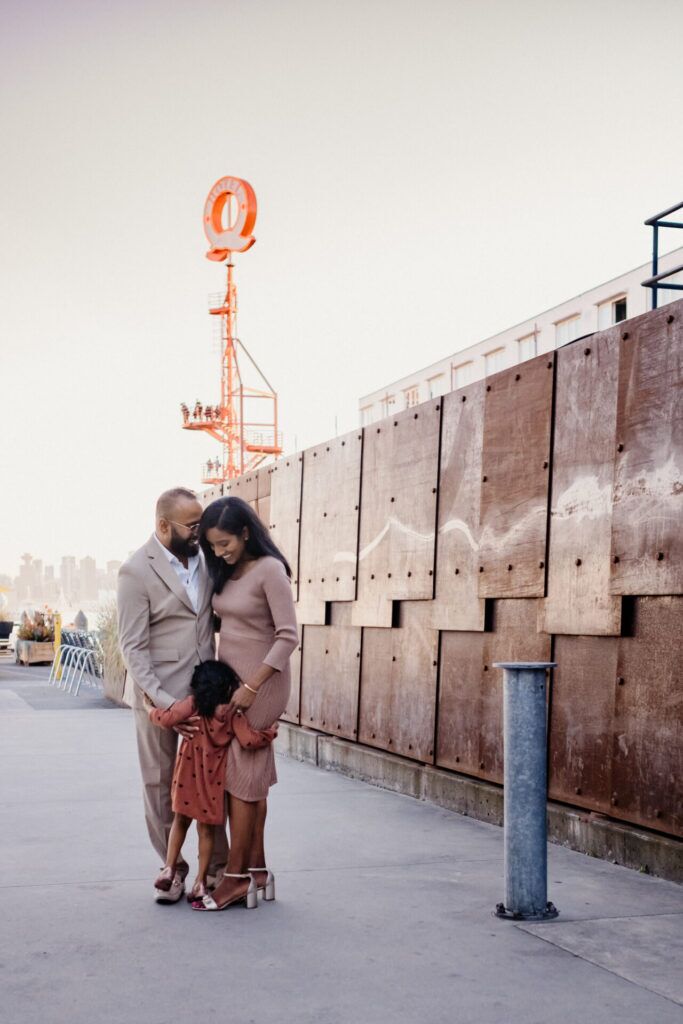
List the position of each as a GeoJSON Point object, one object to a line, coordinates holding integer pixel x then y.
{"type": "Point", "coordinates": [229, 217]}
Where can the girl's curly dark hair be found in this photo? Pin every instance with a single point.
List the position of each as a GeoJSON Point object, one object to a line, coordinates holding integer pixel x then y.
{"type": "Point", "coordinates": [213, 683]}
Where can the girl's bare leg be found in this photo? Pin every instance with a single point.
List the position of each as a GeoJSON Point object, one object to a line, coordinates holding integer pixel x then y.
{"type": "Point", "coordinates": [206, 838]}
{"type": "Point", "coordinates": [181, 824]}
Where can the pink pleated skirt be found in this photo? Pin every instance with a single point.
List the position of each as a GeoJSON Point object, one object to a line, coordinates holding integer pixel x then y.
{"type": "Point", "coordinates": [251, 773]}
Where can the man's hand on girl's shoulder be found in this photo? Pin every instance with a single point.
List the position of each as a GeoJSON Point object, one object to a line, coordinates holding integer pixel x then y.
{"type": "Point", "coordinates": [188, 728]}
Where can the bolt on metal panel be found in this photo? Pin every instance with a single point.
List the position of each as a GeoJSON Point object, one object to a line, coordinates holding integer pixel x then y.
{"type": "Point", "coordinates": [579, 599]}
{"type": "Point", "coordinates": [647, 538]}
{"type": "Point", "coordinates": [514, 481]}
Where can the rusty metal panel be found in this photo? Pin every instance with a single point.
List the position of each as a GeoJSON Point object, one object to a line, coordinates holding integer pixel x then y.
{"type": "Point", "coordinates": [263, 511]}
{"type": "Point", "coordinates": [291, 713]}
{"type": "Point", "coordinates": [470, 726]}
{"type": "Point", "coordinates": [457, 604]}
{"type": "Point", "coordinates": [210, 494]}
{"type": "Point", "coordinates": [285, 509]}
{"type": "Point", "coordinates": [262, 502]}
{"type": "Point", "coordinates": [330, 679]}
{"type": "Point", "coordinates": [460, 702]}
{"type": "Point", "coordinates": [340, 613]}
{"type": "Point", "coordinates": [579, 599]}
{"type": "Point", "coordinates": [514, 489]}
{"type": "Point", "coordinates": [329, 525]}
{"type": "Point", "coordinates": [647, 539]}
{"type": "Point", "coordinates": [244, 487]}
{"type": "Point", "coordinates": [263, 477]}
{"type": "Point", "coordinates": [582, 720]}
{"type": "Point", "coordinates": [647, 760]}
{"type": "Point", "coordinates": [398, 513]}
{"type": "Point", "coordinates": [398, 687]}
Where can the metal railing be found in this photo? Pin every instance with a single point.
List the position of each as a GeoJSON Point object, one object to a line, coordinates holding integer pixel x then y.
{"type": "Point", "coordinates": [78, 659]}
{"type": "Point", "coordinates": [654, 282]}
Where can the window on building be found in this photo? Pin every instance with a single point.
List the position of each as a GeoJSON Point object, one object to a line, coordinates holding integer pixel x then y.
{"type": "Point", "coordinates": [526, 347]}
{"type": "Point", "coordinates": [388, 402]}
{"type": "Point", "coordinates": [567, 330]}
{"type": "Point", "coordinates": [462, 375]}
{"type": "Point", "coordinates": [494, 361]}
{"type": "Point", "coordinates": [436, 385]}
{"type": "Point", "coordinates": [366, 415]}
{"type": "Point", "coordinates": [611, 312]}
{"type": "Point", "coordinates": [411, 396]}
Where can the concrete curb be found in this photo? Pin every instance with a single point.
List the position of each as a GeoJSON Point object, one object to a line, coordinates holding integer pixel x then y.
{"type": "Point", "coordinates": [586, 833]}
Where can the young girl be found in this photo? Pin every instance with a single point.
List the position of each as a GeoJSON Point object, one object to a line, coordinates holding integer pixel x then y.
{"type": "Point", "coordinates": [198, 786]}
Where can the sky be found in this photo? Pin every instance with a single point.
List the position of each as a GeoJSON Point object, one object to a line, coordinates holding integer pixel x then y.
{"type": "Point", "coordinates": [427, 175]}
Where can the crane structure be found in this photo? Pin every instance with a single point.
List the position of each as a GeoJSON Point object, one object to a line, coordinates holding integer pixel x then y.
{"type": "Point", "coordinates": [245, 421]}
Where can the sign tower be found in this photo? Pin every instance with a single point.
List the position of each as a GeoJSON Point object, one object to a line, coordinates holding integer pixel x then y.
{"type": "Point", "coordinates": [245, 421]}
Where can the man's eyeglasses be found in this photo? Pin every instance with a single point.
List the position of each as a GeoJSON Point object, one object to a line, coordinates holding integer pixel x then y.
{"type": "Point", "coordinates": [192, 527]}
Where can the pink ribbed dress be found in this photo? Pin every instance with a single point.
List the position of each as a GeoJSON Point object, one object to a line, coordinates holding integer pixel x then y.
{"type": "Point", "coordinates": [258, 625]}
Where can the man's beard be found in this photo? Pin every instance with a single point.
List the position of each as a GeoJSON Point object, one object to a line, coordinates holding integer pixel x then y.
{"type": "Point", "coordinates": [183, 547]}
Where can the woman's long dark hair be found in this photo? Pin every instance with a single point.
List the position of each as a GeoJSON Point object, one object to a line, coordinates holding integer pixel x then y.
{"type": "Point", "coordinates": [232, 515]}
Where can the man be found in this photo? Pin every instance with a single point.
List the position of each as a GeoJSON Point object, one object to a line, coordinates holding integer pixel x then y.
{"type": "Point", "coordinates": [165, 629]}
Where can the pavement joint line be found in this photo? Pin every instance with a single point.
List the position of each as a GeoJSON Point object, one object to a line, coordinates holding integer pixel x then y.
{"type": "Point", "coordinates": [596, 920]}
{"type": "Point", "coordinates": [282, 871]}
{"type": "Point", "coordinates": [113, 800]}
{"type": "Point", "coordinates": [601, 967]}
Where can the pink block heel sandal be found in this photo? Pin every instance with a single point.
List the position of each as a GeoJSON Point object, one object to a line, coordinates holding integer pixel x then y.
{"type": "Point", "coordinates": [266, 885]}
{"type": "Point", "coordinates": [249, 898]}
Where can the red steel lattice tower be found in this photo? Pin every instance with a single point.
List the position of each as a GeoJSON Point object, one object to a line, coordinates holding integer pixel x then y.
{"type": "Point", "coordinates": [246, 433]}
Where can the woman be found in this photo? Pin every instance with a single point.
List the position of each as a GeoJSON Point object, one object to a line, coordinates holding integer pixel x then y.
{"type": "Point", "coordinates": [253, 599]}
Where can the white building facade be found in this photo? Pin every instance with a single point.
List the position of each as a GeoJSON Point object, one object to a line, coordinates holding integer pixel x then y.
{"type": "Point", "coordinates": [594, 310]}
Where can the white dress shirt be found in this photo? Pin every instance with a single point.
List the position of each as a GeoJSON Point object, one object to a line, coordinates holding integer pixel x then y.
{"type": "Point", "coordinates": [188, 577]}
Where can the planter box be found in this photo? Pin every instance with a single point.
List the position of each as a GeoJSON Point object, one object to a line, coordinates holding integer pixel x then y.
{"type": "Point", "coordinates": [33, 652]}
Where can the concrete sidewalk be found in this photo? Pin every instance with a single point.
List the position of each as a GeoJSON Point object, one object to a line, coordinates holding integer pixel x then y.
{"type": "Point", "coordinates": [383, 911]}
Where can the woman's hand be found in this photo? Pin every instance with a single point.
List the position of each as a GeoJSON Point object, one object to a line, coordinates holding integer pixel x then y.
{"type": "Point", "coordinates": [242, 698]}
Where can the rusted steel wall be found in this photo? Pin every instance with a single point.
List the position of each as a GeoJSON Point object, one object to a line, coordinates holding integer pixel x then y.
{"type": "Point", "coordinates": [533, 516]}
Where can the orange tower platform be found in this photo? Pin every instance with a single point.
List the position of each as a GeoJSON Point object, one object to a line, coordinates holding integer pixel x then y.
{"type": "Point", "coordinates": [245, 421]}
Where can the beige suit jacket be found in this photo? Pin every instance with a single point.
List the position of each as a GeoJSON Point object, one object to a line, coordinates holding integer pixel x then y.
{"type": "Point", "coordinates": [160, 635]}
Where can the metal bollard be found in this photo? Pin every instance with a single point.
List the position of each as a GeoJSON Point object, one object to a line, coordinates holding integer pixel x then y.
{"type": "Point", "coordinates": [525, 793]}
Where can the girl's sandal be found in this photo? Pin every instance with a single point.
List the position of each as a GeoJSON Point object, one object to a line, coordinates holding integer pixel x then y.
{"type": "Point", "coordinates": [198, 892]}
{"type": "Point", "coordinates": [266, 885]}
{"type": "Point", "coordinates": [164, 879]}
{"type": "Point", "coordinates": [249, 898]}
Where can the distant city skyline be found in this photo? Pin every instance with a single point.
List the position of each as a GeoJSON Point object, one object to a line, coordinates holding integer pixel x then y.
{"type": "Point", "coordinates": [74, 583]}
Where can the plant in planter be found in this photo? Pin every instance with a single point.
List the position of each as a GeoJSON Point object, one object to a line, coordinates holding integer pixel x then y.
{"type": "Point", "coordinates": [114, 668]}
{"type": "Point", "coordinates": [35, 638]}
